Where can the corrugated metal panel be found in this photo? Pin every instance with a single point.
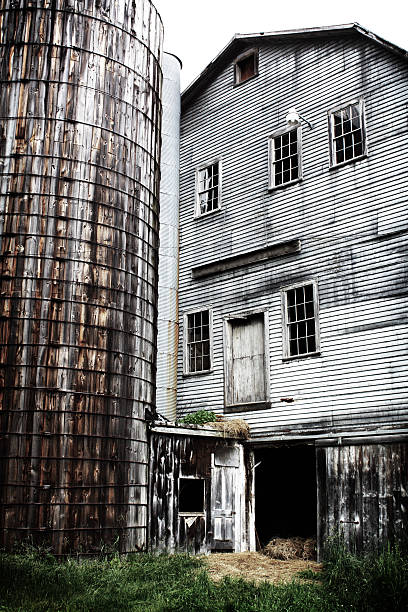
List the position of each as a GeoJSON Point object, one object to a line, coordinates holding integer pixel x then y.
{"type": "Point", "coordinates": [80, 116]}
{"type": "Point", "coordinates": [167, 338]}
{"type": "Point", "coordinates": [359, 380]}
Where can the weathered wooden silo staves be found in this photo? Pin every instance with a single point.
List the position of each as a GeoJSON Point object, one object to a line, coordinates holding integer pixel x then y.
{"type": "Point", "coordinates": [80, 113]}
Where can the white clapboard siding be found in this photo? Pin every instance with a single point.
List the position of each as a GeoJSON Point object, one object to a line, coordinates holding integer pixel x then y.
{"type": "Point", "coordinates": [351, 220]}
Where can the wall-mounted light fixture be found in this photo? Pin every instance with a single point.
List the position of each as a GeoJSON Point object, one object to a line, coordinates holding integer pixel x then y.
{"type": "Point", "coordinates": [294, 118]}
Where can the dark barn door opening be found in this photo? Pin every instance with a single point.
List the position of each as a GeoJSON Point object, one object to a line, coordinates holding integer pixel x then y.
{"type": "Point", "coordinates": [285, 493]}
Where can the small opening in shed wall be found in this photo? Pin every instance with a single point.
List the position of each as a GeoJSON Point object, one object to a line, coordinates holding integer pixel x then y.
{"type": "Point", "coordinates": [191, 497]}
{"type": "Point", "coordinates": [285, 493]}
{"type": "Point", "coordinates": [246, 66]}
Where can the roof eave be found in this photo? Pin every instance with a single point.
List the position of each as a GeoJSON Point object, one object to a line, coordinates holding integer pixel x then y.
{"type": "Point", "coordinates": [240, 40]}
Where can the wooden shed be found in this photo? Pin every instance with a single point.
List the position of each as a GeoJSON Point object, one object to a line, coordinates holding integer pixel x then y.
{"type": "Point", "coordinates": [200, 490]}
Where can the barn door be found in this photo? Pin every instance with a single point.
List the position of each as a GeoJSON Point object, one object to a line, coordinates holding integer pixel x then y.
{"type": "Point", "coordinates": [225, 510]}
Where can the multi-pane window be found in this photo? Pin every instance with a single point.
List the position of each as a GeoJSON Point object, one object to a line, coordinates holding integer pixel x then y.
{"type": "Point", "coordinates": [208, 188]}
{"type": "Point", "coordinates": [347, 133]}
{"type": "Point", "coordinates": [197, 342]}
{"type": "Point", "coordinates": [284, 152]}
{"type": "Point", "coordinates": [301, 322]}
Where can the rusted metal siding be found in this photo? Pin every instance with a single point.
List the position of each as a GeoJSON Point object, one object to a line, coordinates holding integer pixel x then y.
{"type": "Point", "coordinates": [351, 222]}
{"type": "Point", "coordinates": [223, 522]}
{"type": "Point", "coordinates": [362, 493]}
{"type": "Point", "coordinates": [80, 116]}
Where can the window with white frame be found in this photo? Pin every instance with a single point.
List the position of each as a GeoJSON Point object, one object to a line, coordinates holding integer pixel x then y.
{"type": "Point", "coordinates": [347, 133]}
{"type": "Point", "coordinates": [197, 342]}
{"type": "Point", "coordinates": [208, 188]}
{"type": "Point", "coordinates": [301, 325]}
{"type": "Point", "coordinates": [285, 157]}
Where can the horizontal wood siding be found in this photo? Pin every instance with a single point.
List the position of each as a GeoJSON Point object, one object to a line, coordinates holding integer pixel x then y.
{"type": "Point", "coordinates": [358, 382]}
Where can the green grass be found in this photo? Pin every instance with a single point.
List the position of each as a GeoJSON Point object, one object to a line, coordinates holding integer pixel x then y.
{"type": "Point", "coordinates": [200, 417]}
{"type": "Point", "coordinates": [179, 583]}
{"type": "Point", "coordinates": [309, 574]}
{"type": "Point", "coordinates": [378, 581]}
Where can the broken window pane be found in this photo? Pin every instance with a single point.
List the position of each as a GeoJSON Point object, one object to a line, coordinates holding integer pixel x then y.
{"type": "Point", "coordinates": [246, 67]}
{"type": "Point", "coordinates": [191, 495]}
{"type": "Point", "coordinates": [348, 135]}
{"type": "Point", "coordinates": [208, 189]}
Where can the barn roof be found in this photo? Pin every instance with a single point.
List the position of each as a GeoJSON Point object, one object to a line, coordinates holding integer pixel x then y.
{"type": "Point", "coordinates": [240, 41]}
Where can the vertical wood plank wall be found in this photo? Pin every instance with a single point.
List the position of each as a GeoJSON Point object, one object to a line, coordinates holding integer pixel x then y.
{"type": "Point", "coordinates": [174, 456]}
{"type": "Point", "coordinates": [363, 494]}
{"type": "Point", "coordinates": [80, 112]}
{"type": "Point", "coordinates": [351, 221]}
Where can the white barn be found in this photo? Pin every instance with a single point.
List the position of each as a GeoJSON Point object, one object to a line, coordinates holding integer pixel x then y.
{"type": "Point", "coordinates": [292, 294]}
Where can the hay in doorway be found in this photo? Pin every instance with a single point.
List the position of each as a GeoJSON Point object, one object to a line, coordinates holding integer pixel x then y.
{"type": "Point", "coordinates": [291, 548]}
{"type": "Point", "coordinates": [309, 549]}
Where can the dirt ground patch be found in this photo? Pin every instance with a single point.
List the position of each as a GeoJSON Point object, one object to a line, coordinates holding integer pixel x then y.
{"type": "Point", "coordinates": [256, 566]}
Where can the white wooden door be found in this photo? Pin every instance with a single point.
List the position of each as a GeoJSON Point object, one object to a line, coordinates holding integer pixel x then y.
{"type": "Point", "coordinates": [225, 495]}
{"type": "Point", "coordinates": [223, 508]}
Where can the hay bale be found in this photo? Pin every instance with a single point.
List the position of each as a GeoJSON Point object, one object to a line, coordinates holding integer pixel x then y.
{"type": "Point", "coordinates": [291, 548]}
{"type": "Point", "coordinates": [232, 427]}
{"type": "Point", "coordinates": [284, 549]}
{"type": "Point", "coordinates": [309, 549]}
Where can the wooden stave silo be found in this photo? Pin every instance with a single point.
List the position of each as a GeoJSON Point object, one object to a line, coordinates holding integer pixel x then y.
{"type": "Point", "coordinates": [80, 115]}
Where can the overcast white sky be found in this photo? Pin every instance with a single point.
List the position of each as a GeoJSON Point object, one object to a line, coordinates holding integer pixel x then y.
{"type": "Point", "coordinates": [197, 31]}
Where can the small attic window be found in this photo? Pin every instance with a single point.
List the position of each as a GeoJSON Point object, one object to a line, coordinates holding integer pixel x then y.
{"type": "Point", "coordinates": [246, 66]}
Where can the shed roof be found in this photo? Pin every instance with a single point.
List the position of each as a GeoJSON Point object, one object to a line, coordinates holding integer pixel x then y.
{"type": "Point", "coordinates": [240, 41]}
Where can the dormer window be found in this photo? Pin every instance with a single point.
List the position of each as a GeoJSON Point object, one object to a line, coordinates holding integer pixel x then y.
{"type": "Point", "coordinates": [246, 66]}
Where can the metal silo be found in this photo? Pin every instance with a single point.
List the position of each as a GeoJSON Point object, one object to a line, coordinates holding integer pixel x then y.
{"type": "Point", "coordinates": [80, 114]}
{"type": "Point", "coordinates": [167, 336]}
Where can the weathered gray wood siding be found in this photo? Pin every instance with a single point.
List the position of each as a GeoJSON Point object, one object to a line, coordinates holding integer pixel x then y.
{"type": "Point", "coordinates": [219, 462]}
{"type": "Point", "coordinates": [362, 494]}
{"type": "Point", "coordinates": [351, 220]}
